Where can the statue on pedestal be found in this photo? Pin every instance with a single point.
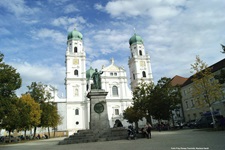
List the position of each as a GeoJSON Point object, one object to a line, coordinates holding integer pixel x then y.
{"type": "Point", "coordinates": [96, 76]}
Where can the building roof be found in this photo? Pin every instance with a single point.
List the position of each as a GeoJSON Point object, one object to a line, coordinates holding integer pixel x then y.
{"type": "Point", "coordinates": [215, 67]}
{"type": "Point", "coordinates": [112, 67]}
{"type": "Point", "coordinates": [89, 73]}
{"type": "Point", "coordinates": [74, 35]}
{"type": "Point", "coordinates": [136, 39]}
{"type": "Point", "coordinates": [178, 80]}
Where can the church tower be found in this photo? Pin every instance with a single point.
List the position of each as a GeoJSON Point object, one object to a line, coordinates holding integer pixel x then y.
{"type": "Point", "coordinates": [75, 67]}
{"type": "Point", "coordinates": [75, 81]}
{"type": "Point", "coordinates": [139, 62]}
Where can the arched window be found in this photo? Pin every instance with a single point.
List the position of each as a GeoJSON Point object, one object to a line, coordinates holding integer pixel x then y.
{"type": "Point", "coordinates": [75, 49]}
{"type": "Point", "coordinates": [115, 90]}
{"type": "Point", "coordinates": [143, 74]}
{"type": "Point", "coordinates": [76, 72]}
{"type": "Point", "coordinates": [140, 53]}
{"type": "Point", "coordinates": [77, 112]}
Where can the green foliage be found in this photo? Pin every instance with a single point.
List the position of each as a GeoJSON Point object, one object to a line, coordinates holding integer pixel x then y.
{"type": "Point", "coordinates": [11, 118]}
{"type": "Point", "coordinates": [206, 89]}
{"type": "Point", "coordinates": [132, 115]}
{"type": "Point", "coordinates": [157, 101]}
{"type": "Point", "coordinates": [49, 116]}
{"type": "Point", "coordinates": [9, 79]}
{"type": "Point", "coordinates": [9, 82]}
{"type": "Point", "coordinates": [38, 92]}
{"type": "Point", "coordinates": [142, 97]}
{"type": "Point", "coordinates": [165, 98]}
{"type": "Point", "coordinates": [30, 112]}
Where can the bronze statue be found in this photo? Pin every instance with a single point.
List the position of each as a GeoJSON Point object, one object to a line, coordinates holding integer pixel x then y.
{"type": "Point", "coordinates": [96, 76]}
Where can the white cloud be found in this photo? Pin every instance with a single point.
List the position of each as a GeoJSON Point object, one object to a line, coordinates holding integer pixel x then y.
{"type": "Point", "coordinates": [58, 2]}
{"type": "Point", "coordinates": [54, 35]}
{"type": "Point", "coordinates": [110, 40]}
{"type": "Point", "coordinates": [69, 23]}
{"type": "Point", "coordinates": [98, 64]}
{"type": "Point", "coordinates": [98, 7]}
{"type": "Point", "coordinates": [18, 7]}
{"type": "Point", "coordinates": [156, 9]}
{"type": "Point", "coordinates": [53, 75]}
{"type": "Point", "coordinates": [70, 8]}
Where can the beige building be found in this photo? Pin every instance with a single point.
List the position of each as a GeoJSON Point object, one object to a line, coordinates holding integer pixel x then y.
{"type": "Point", "coordinates": [190, 109]}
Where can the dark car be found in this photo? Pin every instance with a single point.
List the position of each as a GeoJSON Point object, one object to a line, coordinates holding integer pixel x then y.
{"type": "Point", "coordinates": [206, 121]}
{"type": "Point", "coordinates": [219, 121]}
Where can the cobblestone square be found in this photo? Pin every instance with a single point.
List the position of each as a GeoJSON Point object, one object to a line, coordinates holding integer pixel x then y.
{"type": "Point", "coordinates": [187, 139]}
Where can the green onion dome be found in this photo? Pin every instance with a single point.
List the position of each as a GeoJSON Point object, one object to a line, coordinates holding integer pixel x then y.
{"type": "Point", "coordinates": [135, 39]}
{"type": "Point", "coordinates": [89, 73]}
{"type": "Point", "coordinates": [75, 35]}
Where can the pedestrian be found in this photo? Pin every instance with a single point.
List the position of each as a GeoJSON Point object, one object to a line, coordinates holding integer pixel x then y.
{"type": "Point", "coordinates": [148, 129]}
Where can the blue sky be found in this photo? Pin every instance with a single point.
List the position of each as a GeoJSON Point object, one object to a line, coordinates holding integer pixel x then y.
{"type": "Point", "coordinates": [33, 34]}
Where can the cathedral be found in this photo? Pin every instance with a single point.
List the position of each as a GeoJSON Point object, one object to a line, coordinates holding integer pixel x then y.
{"type": "Point", "coordinates": [75, 108]}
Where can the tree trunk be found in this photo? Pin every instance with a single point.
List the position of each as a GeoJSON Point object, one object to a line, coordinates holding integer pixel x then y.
{"type": "Point", "coordinates": [48, 132]}
{"type": "Point", "coordinates": [54, 131]}
{"type": "Point", "coordinates": [136, 126]}
{"type": "Point", "coordinates": [9, 136]}
{"type": "Point", "coordinates": [35, 128]}
{"type": "Point", "coordinates": [25, 134]}
{"type": "Point", "coordinates": [213, 119]}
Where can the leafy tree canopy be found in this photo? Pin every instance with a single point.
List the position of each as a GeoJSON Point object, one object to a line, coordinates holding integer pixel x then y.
{"type": "Point", "coordinates": [206, 89]}
{"type": "Point", "coordinates": [38, 92]}
{"type": "Point", "coordinates": [9, 79]}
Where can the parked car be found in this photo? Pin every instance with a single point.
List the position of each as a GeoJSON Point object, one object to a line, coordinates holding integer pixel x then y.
{"type": "Point", "coordinates": [206, 121]}
{"type": "Point", "coordinates": [219, 121]}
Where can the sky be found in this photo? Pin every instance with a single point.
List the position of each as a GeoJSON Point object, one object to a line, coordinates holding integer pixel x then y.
{"type": "Point", "coordinates": [33, 35]}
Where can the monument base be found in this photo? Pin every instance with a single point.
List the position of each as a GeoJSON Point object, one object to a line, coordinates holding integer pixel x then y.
{"type": "Point", "coordinates": [85, 136]}
{"type": "Point", "coordinates": [99, 123]}
{"type": "Point", "coordinates": [98, 110]}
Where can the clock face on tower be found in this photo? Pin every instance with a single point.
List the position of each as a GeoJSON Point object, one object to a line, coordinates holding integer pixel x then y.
{"type": "Point", "coordinates": [76, 61]}
{"type": "Point", "coordinates": [142, 63]}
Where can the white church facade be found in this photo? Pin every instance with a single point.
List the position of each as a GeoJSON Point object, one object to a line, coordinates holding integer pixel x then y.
{"type": "Point", "coordinates": [75, 108]}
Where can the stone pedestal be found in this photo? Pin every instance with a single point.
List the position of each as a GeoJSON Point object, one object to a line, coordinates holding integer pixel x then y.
{"type": "Point", "coordinates": [99, 124]}
{"type": "Point", "coordinates": [98, 113]}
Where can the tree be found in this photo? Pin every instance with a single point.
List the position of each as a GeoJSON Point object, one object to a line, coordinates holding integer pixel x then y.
{"type": "Point", "coordinates": [11, 119]}
{"type": "Point", "coordinates": [30, 113]}
{"type": "Point", "coordinates": [10, 81]}
{"type": "Point", "coordinates": [38, 92]}
{"type": "Point", "coordinates": [142, 99]}
{"type": "Point", "coordinates": [49, 116]}
{"type": "Point", "coordinates": [132, 115]}
{"type": "Point", "coordinates": [165, 98]}
{"type": "Point", "coordinates": [40, 95]}
{"type": "Point", "coordinates": [206, 89]}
